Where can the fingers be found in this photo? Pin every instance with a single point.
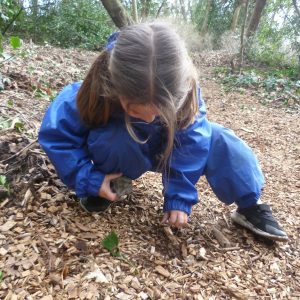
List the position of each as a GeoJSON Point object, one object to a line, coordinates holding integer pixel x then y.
{"type": "Point", "coordinates": [105, 190]}
{"type": "Point", "coordinates": [110, 195]}
{"type": "Point", "coordinates": [175, 218]}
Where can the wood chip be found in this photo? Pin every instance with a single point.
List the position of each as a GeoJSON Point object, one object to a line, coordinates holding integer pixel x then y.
{"type": "Point", "coordinates": [8, 225]}
{"type": "Point", "coordinates": [222, 240]}
{"type": "Point", "coordinates": [162, 271]}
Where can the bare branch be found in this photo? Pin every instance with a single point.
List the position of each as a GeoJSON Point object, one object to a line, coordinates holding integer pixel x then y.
{"type": "Point", "coordinates": [296, 8]}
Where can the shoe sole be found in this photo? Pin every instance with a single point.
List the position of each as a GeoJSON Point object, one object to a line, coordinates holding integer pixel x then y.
{"type": "Point", "coordinates": [241, 220]}
{"type": "Point", "coordinates": [93, 212]}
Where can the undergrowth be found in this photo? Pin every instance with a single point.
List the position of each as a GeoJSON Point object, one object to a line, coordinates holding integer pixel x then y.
{"type": "Point", "coordinates": [270, 85]}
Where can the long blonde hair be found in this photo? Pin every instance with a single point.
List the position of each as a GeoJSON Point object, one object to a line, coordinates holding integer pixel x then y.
{"type": "Point", "coordinates": [149, 64]}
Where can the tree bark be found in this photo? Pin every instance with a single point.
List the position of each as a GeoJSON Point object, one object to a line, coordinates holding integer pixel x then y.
{"type": "Point", "coordinates": [145, 8]}
{"type": "Point", "coordinates": [117, 12]}
{"type": "Point", "coordinates": [204, 27]}
{"type": "Point", "coordinates": [241, 54]}
{"type": "Point", "coordinates": [134, 11]}
{"type": "Point", "coordinates": [296, 8]}
{"type": "Point", "coordinates": [236, 14]}
{"type": "Point", "coordinates": [255, 17]}
{"type": "Point", "coordinates": [182, 8]}
{"type": "Point", "coordinates": [160, 8]}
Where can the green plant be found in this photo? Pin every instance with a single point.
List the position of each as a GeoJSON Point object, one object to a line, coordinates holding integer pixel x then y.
{"type": "Point", "coordinates": [8, 122]}
{"type": "Point", "coordinates": [6, 188]}
{"type": "Point", "coordinates": [45, 93]}
{"type": "Point", "coordinates": [111, 243]}
{"type": "Point", "coordinates": [1, 276]}
{"type": "Point", "coordinates": [267, 87]}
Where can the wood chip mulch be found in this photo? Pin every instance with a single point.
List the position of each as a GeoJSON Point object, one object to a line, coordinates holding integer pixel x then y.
{"type": "Point", "coordinates": [51, 249]}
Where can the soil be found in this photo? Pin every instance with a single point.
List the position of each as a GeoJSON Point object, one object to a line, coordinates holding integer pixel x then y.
{"type": "Point", "coordinates": [51, 249]}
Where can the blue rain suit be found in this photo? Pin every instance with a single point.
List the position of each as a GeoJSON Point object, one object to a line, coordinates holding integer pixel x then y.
{"type": "Point", "coordinates": [83, 156]}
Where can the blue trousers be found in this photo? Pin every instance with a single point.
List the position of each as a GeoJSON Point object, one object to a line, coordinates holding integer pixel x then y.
{"type": "Point", "coordinates": [231, 169]}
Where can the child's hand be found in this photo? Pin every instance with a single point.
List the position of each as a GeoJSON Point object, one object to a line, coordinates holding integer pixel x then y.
{"type": "Point", "coordinates": [105, 190]}
{"type": "Point", "coordinates": [175, 218]}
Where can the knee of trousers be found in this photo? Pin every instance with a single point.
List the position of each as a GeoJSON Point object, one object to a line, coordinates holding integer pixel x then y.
{"type": "Point", "coordinates": [112, 150]}
{"type": "Point", "coordinates": [232, 168]}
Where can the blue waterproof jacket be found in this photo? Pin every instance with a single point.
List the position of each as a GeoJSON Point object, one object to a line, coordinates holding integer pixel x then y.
{"type": "Point", "coordinates": [83, 156]}
{"type": "Point", "coordinates": [75, 151]}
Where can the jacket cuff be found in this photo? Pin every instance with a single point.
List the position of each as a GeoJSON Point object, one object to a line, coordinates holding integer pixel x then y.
{"type": "Point", "coordinates": [95, 181]}
{"type": "Point", "coordinates": [177, 205]}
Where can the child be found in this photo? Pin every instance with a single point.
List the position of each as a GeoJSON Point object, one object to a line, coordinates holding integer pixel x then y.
{"type": "Point", "coordinates": [139, 109]}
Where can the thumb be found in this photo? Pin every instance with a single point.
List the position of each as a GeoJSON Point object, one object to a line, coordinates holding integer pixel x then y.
{"type": "Point", "coordinates": [111, 196]}
{"type": "Point", "coordinates": [165, 217]}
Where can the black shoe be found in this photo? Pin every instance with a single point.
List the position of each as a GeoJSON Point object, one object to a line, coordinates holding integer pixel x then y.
{"type": "Point", "coordinates": [259, 219]}
{"type": "Point", "coordinates": [94, 204]}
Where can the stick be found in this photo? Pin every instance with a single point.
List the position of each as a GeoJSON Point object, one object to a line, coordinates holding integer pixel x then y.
{"type": "Point", "coordinates": [222, 240]}
{"type": "Point", "coordinates": [51, 262]}
{"type": "Point", "coordinates": [18, 153]}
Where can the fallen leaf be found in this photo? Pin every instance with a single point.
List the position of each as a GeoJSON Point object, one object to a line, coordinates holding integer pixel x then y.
{"type": "Point", "coordinates": [97, 275]}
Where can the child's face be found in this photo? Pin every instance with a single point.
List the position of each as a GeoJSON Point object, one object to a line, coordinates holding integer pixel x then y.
{"type": "Point", "coordinates": [145, 112]}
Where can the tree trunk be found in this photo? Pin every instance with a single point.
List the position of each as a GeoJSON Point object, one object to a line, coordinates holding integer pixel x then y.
{"type": "Point", "coordinates": [236, 14]}
{"type": "Point", "coordinates": [134, 11]}
{"type": "Point", "coordinates": [117, 12]}
{"type": "Point", "coordinates": [255, 17]}
{"type": "Point", "coordinates": [160, 8]}
{"type": "Point", "coordinates": [35, 16]}
{"type": "Point", "coordinates": [204, 27]}
{"type": "Point", "coordinates": [182, 8]}
{"type": "Point", "coordinates": [241, 54]}
{"type": "Point", "coordinates": [145, 8]}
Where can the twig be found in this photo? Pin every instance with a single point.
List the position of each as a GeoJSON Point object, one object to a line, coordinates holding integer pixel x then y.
{"type": "Point", "coordinates": [247, 130]}
{"type": "Point", "coordinates": [18, 153]}
{"type": "Point", "coordinates": [51, 262]}
{"type": "Point", "coordinates": [7, 59]}
{"type": "Point", "coordinates": [12, 20]}
{"type": "Point", "coordinates": [222, 240]}
{"type": "Point", "coordinates": [230, 249]}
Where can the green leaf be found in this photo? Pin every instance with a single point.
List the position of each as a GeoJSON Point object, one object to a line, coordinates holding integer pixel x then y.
{"type": "Point", "coordinates": [1, 47]}
{"type": "Point", "coordinates": [17, 124]}
{"type": "Point", "coordinates": [2, 180]}
{"type": "Point", "coordinates": [15, 42]}
{"type": "Point", "coordinates": [111, 243]}
{"type": "Point", "coordinates": [1, 276]}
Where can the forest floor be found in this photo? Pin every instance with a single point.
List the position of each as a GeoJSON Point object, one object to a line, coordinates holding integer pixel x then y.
{"type": "Point", "coordinates": [51, 249]}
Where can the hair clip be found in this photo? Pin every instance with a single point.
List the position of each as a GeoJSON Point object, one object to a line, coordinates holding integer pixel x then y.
{"type": "Point", "coordinates": [111, 41]}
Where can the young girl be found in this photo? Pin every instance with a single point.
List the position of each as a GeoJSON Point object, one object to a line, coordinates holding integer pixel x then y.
{"type": "Point", "coordinates": [139, 109]}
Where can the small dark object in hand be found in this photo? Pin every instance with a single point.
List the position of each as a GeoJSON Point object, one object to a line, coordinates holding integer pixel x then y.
{"type": "Point", "coordinates": [121, 186]}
